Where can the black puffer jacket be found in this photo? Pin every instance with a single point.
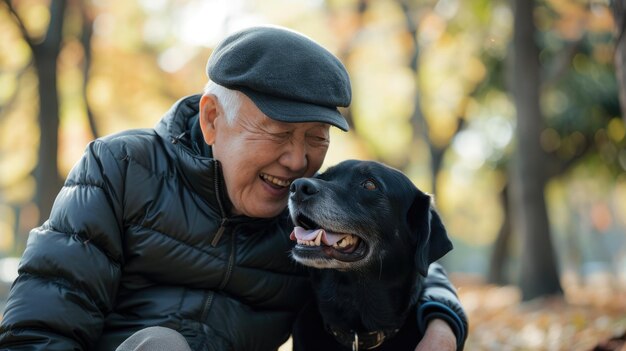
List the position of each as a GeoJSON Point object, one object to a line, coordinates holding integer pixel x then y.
{"type": "Point", "coordinates": [140, 235]}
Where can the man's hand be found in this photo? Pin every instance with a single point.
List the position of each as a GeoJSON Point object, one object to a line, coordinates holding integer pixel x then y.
{"type": "Point", "coordinates": [438, 337]}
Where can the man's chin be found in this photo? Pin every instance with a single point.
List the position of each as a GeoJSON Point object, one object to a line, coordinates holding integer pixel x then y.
{"type": "Point", "coordinates": [267, 210]}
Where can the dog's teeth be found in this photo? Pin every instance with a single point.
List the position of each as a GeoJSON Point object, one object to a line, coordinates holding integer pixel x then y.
{"type": "Point", "coordinates": [305, 242]}
{"type": "Point", "coordinates": [318, 238]}
{"type": "Point", "coordinates": [345, 242]}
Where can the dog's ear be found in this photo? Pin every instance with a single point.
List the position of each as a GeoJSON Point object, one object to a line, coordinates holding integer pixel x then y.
{"type": "Point", "coordinates": [428, 229]}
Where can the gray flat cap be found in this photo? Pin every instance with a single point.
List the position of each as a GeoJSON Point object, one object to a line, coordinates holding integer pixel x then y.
{"type": "Point", "coordinates": [288, 76]}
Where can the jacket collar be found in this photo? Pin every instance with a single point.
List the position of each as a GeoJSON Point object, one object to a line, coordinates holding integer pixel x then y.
{"type": "Point", "coordinates": [180, 130]}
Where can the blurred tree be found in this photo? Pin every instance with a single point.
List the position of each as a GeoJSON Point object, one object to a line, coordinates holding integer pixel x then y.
{"type": "Point", "coordinates": [348, 47]}
{"type": "Point", "coordinates": [86, 34]}
{"type": "Point", "coordinates": [46, 43]}
{"type": "Point", "coordinates": [45, 53]}
{"type": "Point", "coordinates": [619, 15]}
{"type": "Point", "coordinates": [496, 272]}
{"type": "Point", "coordinates": [578, 104]}
{"type": "Point", "coordinates": [539, 274]}
{"type": "Point", "coordinates": [419, 123]}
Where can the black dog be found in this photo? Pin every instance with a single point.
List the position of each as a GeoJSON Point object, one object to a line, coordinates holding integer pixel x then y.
{"type": "Point", "coordinates": [371, 235]}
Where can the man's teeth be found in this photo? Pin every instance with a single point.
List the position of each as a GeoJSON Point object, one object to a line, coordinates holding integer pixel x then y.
{"type": "Point", "coordinates": [275, 181]}
{"type": "Point", "coordinates": [343, 243]}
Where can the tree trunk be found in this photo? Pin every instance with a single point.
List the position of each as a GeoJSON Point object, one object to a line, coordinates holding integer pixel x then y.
{"type": "Point", "coordinates": [85, 40]}
{"type": "Point", "coordinates": [500, 251]}
{"type": "Point", "coordinates": [539, 276]}
{"type": "Point", "coordinates": [45, 56]}
{"type": "Point", "coordinates": [619, 14]}
{"type": "Point", "coordinates": [418, 121]}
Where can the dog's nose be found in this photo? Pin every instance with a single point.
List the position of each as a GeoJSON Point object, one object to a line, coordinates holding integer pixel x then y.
{"type": "Point", "coordinates": [303, 188]}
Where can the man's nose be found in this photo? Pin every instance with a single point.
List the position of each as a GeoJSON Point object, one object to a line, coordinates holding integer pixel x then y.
{"type": "Point", "coordinates": [295, 157]}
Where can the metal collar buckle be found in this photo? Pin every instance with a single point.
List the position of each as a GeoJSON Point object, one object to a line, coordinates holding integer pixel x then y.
{"type": "Point", "coordinates": [364, 340]}
{"type": "Point", "coordinates": [379, 339]}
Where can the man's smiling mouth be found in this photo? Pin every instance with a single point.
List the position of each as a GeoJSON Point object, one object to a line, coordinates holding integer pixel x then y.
{"type": "Point", "coordinates": [277, 182]}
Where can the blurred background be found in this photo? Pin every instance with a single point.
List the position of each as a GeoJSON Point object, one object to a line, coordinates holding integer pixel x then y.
{"type": "Point", "coordinates": [508, 112]}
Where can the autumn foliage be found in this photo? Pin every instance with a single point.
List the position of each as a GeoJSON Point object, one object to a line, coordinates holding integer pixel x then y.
{"type": "Point", "coordinates": [587, 317]}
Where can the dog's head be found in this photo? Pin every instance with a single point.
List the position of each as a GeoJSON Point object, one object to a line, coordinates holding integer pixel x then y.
{"type": "Point", "coordinates": [359, 212]}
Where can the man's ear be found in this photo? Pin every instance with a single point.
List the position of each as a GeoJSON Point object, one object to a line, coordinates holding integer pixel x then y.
{"type": "Point", "coordinates": [426, 226]}
{"type": "Point", "coordinates": [209, 110]}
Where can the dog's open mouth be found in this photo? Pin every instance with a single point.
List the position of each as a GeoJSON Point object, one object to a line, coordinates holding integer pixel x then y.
{"type": "Point", "coordinates": [315, 241]}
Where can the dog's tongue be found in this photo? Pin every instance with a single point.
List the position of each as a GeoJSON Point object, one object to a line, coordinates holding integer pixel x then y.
{"type": "Point", "coordinates": [328, 238]}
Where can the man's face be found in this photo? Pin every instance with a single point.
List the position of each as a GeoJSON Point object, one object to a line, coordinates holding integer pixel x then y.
{"type": "Point", "coordinates": [260, 156]}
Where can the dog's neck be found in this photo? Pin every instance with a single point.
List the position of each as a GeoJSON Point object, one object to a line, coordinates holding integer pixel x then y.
{"type": "Point", "coordinates": [365, 301]}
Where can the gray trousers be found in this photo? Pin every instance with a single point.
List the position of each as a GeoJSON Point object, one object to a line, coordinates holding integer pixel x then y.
{"type": "Point", "coordinates": [155, 339]}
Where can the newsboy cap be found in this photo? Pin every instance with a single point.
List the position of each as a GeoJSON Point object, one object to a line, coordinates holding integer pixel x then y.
{"type": "Point", "coordinates": [288, 76]}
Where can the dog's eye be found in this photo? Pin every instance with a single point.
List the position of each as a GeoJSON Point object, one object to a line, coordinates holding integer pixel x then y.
{"type": "Point", "coordinates": [369, 185]}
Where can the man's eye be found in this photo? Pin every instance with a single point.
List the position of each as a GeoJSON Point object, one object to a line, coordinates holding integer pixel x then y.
{"type": "Point", "coordinates": [369, 185]}
{"type": "Point", "coordinates": [281, 136]}
{"type": "Point", "coordinates": [322, 140]}
{"type": "Point", "coordinates": [318, 139]}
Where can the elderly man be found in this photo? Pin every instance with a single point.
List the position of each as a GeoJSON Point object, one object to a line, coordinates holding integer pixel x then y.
{"type": "Point", "coordinates": [179, 234]}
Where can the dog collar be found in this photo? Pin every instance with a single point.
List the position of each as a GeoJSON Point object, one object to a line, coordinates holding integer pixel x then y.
{"type": "Point", "coordinates": [362, 340]}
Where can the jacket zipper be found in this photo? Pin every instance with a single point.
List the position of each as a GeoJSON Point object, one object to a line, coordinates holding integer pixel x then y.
{"type": "Point", "coordinates": [231, 262]}
{"type": "Point", "coordinates": [222, 229]}
{"type": "Point", "coordinates": [224, 222]}
{"type": "Point", "coordinates": [220, 232]}
{"type": "Point", "coordinates": [207, 305]}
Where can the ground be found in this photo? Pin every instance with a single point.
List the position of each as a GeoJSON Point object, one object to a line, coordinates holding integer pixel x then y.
{"type": "Point", "coordinates": [580, 319]}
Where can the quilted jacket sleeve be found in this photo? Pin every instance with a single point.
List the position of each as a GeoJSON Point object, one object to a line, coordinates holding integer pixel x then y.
{"type": "Point", "coordinates": [69, 272]}
{"type": "Point", "coordinates": [439, 300]}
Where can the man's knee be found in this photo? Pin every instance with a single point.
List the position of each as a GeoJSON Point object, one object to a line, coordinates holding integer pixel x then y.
{"type": "Point", "coordinates": [155, 339]}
